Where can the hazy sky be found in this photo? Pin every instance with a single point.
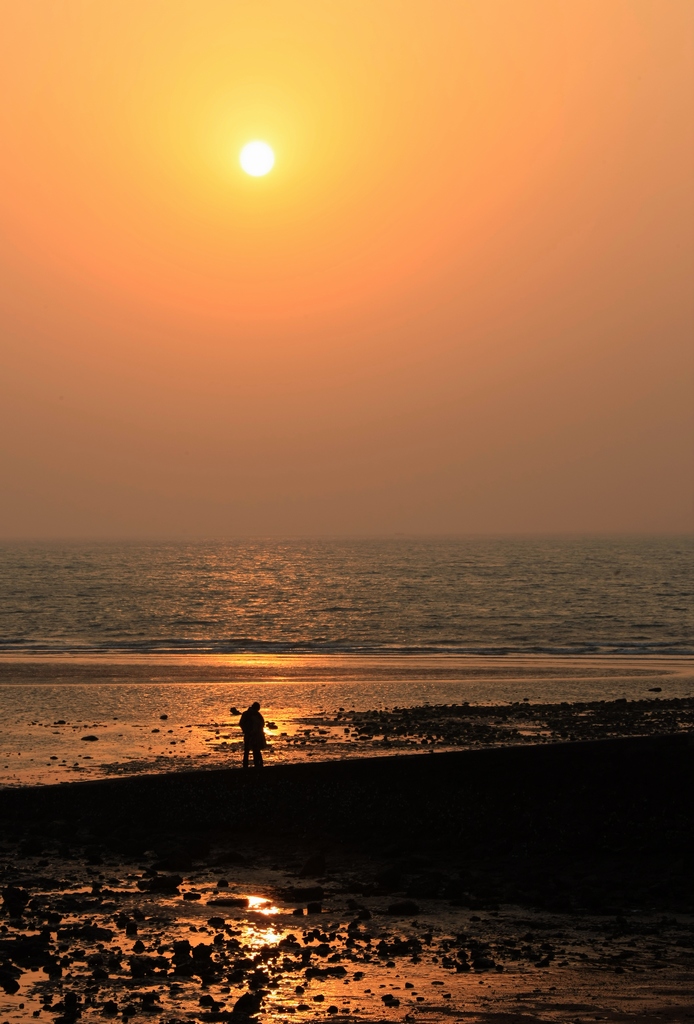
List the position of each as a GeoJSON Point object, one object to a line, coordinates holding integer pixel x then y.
{"type": "Point", "coordinates": [461, 301]}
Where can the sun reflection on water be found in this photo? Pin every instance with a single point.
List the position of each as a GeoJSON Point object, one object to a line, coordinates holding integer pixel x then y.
{"type": "Point", "coordinates": [257, 938]}
{"type": "Point", "coordinates": [260, 905]}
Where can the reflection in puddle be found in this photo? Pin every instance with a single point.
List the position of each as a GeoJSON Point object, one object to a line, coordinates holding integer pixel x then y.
{"type": "Point", "coordinates": [258, 937]}
{"type": "Point", "coordinates": [259, 905]}
{"type": "Point", "coordinates": [371, 969]}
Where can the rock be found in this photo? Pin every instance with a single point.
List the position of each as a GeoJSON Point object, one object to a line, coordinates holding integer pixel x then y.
{"type": "Point", "coordinates": [399, 947]}
{"type": "Point", "coordinates": [182, 950]}
{"type": "Point", "coordinates": [404, 908]}
{"type": "Point", "coordinates": [299, 912]}
{"type": "Point", "coordinates": [314, 908]}
{"type": "Point", "coordinates": [89, 739]}
{"type": "Point", "coordinates": [228, 901]}
{"type": "Point", "coordinates": [27, 950]}
{"type": "Point", "coordinates": [483, 963]}
{"type": "Point", "coordinates": [14, 900]}
{"type": "Point", "coordinates": [249, 1004]}
{"type": "Point", "coordinates": [160, 883]}
{"type": "Point", "coordinates": [144, 966]}
{"type": "Point", "coordinates": [8, 978]}
{"type": "Point", "coordinates": [192, 895]}
{"type": "Point", "coordinates": [110, 1008]}
{"type": "Point", "coordinates": [71, 1009]}
{"type": "Point", "coordinates": [90, 933]}
{"type": "Point", "coordinates": [325, 972]}
{"type": "Point", "coordinates": [216, 922]}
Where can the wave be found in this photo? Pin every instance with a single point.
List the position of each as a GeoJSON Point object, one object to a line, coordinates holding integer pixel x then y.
{"type": "Point", "coordinates": [173, 646]}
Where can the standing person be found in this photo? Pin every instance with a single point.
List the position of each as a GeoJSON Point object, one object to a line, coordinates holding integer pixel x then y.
{"type": "Point", "coordinates": [253, 728]}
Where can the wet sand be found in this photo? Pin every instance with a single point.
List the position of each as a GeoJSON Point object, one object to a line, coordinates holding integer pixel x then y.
{"type": "Point", "coordinates": [548, 882]}
{"type": "Point", "coordinates": [99, 717]}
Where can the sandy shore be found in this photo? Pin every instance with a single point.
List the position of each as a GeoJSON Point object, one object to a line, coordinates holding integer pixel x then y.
{"type": "Point", "coordinates": [69, 718]}
{"type": "Point", "coordinates": [539, 883]}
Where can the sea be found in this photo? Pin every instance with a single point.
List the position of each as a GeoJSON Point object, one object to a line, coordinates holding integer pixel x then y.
{"type": "Point", "coordinates": [148, 646]}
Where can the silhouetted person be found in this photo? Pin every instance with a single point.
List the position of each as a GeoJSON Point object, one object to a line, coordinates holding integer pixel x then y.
{"type": "Point", "coordinates": [253, 728]}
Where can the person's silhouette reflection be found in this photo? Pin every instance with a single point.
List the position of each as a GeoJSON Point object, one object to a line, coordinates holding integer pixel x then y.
{"type": "Point", "coordinates": [253, 728]}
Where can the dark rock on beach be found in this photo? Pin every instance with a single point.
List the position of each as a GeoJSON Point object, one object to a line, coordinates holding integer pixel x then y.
{"type": "Point", "coordinates": [14, 900]}
{"type": "Point", "coordinates": [9, 975]}
{"type": "Point", "coordinates": [228, 901]}
{"type": "Point", "coordinates": [249, 1004]}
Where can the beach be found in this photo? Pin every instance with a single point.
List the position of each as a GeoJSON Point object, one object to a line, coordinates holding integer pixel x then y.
{"type": "Point", "coordinates": [474, 806]}
{"type": "Point", "coordinates": [162, 714]}
{"type": "Point", "coordinates": [537, 883]}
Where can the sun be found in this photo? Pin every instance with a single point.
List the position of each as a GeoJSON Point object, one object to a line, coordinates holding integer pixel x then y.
{"type": "Point", "coordinates": [256, 158]}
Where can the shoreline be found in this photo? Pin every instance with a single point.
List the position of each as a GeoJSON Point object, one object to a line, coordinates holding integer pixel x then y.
{"type": "Point", "coordinates": [319, 658]}
{"type": "Point", "coordinates": [152, 725]}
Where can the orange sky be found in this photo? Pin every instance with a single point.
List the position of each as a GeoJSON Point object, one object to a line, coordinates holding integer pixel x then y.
{"type": "Point", "coordinates": [461, 302]}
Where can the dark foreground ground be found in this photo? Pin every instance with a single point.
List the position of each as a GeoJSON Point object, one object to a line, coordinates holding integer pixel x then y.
{"type": "Point", "coordinates": [524, 883]}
